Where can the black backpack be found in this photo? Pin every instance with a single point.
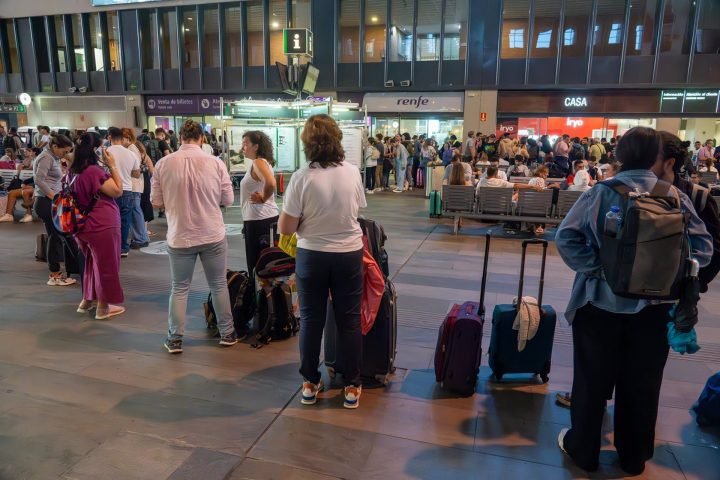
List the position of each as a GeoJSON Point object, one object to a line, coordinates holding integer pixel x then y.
{"type": "Point", "coordinates": [577, 152]}
{"type": "Point", "coordinates": [152, 147]}
{"type": "Point", "coordinates": [376, 238]}
{"type": "Point", "coordinates": [9, 142]}
{"type": "Point", "coordinates": [276, 319]}
{"type": "Point", "coordinates": [242, 301]}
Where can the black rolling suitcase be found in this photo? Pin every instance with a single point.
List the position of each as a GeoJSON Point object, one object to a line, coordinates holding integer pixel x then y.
{"type": "Point", "coordinates": [379, 345]}
{"type": "Point", "coordinates": [503, 352]}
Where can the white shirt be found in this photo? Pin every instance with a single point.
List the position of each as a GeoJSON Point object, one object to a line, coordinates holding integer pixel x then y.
{"type": "Point", "coordinates": [207, 149]}
{"type": "Point", "coordinates": [538, 182]}
{"type": "Point", "coordinates": [248, 186]}
{"type": "Point", "coordinates": [192, 185]}
{"type": "Point", "coordinates": [495, 182]}
{"type": "Point", "coordinates": [126, 161]}
{"type": "Point", "coordinates": [501, 175]}
{"type": "Point", "coordinates": [326, 200]}
{"type": "Point", "coordinates": [138, 184]}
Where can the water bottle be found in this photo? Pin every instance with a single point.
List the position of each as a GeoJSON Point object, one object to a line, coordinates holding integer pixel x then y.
{"type": "Point", "coordinates": [613, 220]}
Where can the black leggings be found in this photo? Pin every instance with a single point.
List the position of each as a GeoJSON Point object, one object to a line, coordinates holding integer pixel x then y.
{"type": "Point", "coordinates": [257, 233]}
{"type": "Point", "coordinates": [55, 255]}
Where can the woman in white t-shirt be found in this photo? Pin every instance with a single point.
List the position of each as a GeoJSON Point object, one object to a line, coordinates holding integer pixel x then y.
{"type": "Point", "coordinates": [321, 205]}
{"type": "Point", "coordinates": [257, 194]}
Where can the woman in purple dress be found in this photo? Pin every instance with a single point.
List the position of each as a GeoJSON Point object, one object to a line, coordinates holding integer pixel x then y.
{"type": "Point", "coordinates": [99, 240]}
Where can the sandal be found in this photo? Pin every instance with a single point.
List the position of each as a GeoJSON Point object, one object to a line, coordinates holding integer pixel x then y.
{"type": "Point", "coordinates": [112, 311]}
{"type": "Point", "coordinates": [85, 306]}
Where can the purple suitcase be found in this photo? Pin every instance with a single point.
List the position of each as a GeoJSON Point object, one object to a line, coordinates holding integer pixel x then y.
{"type": "Point", "coordinates": [459, 346]}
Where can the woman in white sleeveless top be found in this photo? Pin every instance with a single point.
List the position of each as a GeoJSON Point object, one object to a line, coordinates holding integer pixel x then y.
{"type": "Point", "coordinates": [257, 194]}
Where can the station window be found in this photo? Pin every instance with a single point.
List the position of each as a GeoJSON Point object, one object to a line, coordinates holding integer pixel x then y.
{"type": "Point", "coordinates": [12, 47]}
{"type": "Point", "coordinates": [301, 14]}
{"type": "Point", "coordinates": [375, 18]}
{"type": "Point", "coordinates": [150, 41]}
{"type": "Point", "coordinates": [615, 36]}
{"type": "Point", "coordinates": [78, 48]}
{"type": "Point", "coordinates": [456, 29]}
{"type": "Point", "coordinates": [256, 47]}
{"type": "Point", "coordinates": [569, 37]}
{"type": "Point", "coordinates": [278, 21]}
{"type": "Point", "coordinates": [349, 31]}
{"type": "Point", "coordinates": [642, 27]}
{"type": "Point", "coordinates": [401, 31]}
{"type": "Point", "coordinates": [113, 21]}
{"type": "Point", "coordinates": [429, 30]}
{"type": "Point", "coordinates": [60, 43]}
{"type": "Point", "coordinates": [546, 24]}
{"type": "Point", "coordinates": [211, 38]}
{"type": "Point", "coordinates": [233, 46]}
{"type": "Point", "coordinates": [517, 38]}
{"type": "Point", "coordinates": [677, 27]}
{"type": "Point", "coordinates": [514, 28]}
{"type": "Point", "coordinates": [169, 39]}
{"type": "Point", "coordinates": [96, 41]}
{"type": "Point", "coordinates": [190, 39]}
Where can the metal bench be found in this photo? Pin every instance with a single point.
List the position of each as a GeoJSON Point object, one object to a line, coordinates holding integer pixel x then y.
{"type": "Point", "coordinates": [458, 200]}
{"type": "Point", "coordinates": [494, 201]}
{"type": "Point", "coordinates": [534, 204]}
{"type": "Point", "coordinates": [7, 175]}
{"type": "Point", "coordinates": [709, 178]}
{"type": "Point", "coordinates": [566, 199]}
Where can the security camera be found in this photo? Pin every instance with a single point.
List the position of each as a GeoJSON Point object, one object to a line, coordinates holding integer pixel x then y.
{"type": "Point", "coordinates": [405, 83]}
{"type": "Point", "coordinates": [390, 84]}
{"type": "Point", "coordinates": [83, 89]}
{"type": "Point", "coordinates": [72, 89]}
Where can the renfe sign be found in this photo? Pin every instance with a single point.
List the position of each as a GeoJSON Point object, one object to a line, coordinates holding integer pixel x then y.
{"type": "Point", "coordinates": [414, 102]}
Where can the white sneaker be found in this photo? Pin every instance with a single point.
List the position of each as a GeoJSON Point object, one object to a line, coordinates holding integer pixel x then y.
{"type": "Point", "coordinates": [310, 391]}
{"type": "Point", "coordinates": [7, 218]}
{"type": "Point", "coordinates": [378, 189]}
{"type": "Point", "coordinates": [60, 281]}
{"type": "Point", "coordinates": [369, 192]}
{"type": "Point", "coordinates": [397, 190]}
{"type": "Point", "coordinates": [352, 397]}
{"type": "Point", "coordinates": [27, 219]}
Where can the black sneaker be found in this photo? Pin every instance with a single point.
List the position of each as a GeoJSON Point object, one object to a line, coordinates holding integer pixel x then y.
{"type": "Point", "coordinates": [138, 246]}
{"type": "Point", "coordinates": [173, 346]}
{"type": "Point", "coordinates": [161, 214]}
{"type": "Point", "coordinates": [229, 340]}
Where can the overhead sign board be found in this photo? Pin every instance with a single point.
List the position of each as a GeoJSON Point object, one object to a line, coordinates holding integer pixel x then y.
{"type": "Point", "coordinates": [438, 102]}
{"type": "Point", "coordinates": [12, 109]}
{"type": "Point", "coordinates": [690, 101]}
{"type": "Point", "coordinates": [298, 41]}
{"type": "Point", "coordinates": [671, 101]}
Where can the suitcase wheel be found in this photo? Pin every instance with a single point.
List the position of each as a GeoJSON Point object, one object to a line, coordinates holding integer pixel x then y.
{"type": "Point", "coordinates": [331, 372]}
{"type": "Point", "coordinates": [544, 377]}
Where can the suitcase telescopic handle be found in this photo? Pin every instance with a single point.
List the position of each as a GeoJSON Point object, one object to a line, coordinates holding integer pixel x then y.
{"type": "Point", "coordinates": [525, 243]}
{"type": "Point", "coordinates": [483, 283]}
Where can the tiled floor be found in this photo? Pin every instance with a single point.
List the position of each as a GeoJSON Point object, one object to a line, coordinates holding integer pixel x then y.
{"type": "Point", "coordinates": [82, 399]}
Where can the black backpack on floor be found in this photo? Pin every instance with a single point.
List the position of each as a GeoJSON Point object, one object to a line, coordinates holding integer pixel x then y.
{"type": "Point", "coordinates": [276, 319]}
{"type": "Point", "coordinates": [242, 301]}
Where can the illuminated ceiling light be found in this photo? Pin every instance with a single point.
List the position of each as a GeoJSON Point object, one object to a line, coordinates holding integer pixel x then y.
{"type": "Point", "coordinates": [189, 18]}
{"type": "Point", "coordinates": [374, 19]}
{"type": "Point", "coordinates": [99, 34]}
{"type": "Point", "coordinates": [275, 25]}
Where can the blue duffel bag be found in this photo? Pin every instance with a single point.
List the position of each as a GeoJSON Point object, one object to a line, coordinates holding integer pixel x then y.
{"type": "Point", "coordinates": [707, 408]}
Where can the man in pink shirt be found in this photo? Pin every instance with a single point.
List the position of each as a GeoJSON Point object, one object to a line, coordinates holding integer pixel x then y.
{"type": "Point", "coordinates": [562, 153]}
{"type": "Point", "coordinates": [191, 186]}
{"type": "Point", "coordinates": [706, 152]}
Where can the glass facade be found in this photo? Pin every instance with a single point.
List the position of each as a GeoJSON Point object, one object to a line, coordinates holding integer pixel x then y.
{"type": "Point", "coordinates": [360, 44]}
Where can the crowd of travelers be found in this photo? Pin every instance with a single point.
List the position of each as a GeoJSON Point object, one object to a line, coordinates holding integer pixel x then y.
{"type": "Point", "coordinates": [119, 180]}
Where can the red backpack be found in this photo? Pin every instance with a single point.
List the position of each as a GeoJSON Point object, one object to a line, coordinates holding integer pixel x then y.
{"type": "Point", "coordinates": [67, 216]}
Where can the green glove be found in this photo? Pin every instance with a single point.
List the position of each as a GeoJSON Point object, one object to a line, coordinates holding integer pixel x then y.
{"type": "Point", "coordinates": [681, 342]}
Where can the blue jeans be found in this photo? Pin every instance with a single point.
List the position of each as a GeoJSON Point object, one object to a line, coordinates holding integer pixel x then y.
{"type": "Point", "coordinates": [137, 223]}
{"type": "Point", "coordinates": [182, 264]}
{"type": "Point", "coordinates": [125, 203]}
{"type": "Point", "coordinates": [341, 275]}
{"type": "Point", "coordinates": [400, 167]}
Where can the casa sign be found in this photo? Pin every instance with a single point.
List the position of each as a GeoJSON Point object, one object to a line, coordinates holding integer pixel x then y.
{"type": "Point", "coordinates": [575, 102]}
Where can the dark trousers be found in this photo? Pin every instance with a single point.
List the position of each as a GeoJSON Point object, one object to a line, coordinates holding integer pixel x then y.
{"type": "Point", "coordinates": [257, 238]}
{"type": "Point", "coordinates": [340, 275]}
{"type": "Point", "coordinates": [370, 178]}
{"type": "Point", "coordinates": [627, 353]}
{"type": "Point", "coordinates": [55, 255]}
{"type": "Point", "coordinates": [126, 204]}
{"type": "Point", "coordinates": [415, 168]}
